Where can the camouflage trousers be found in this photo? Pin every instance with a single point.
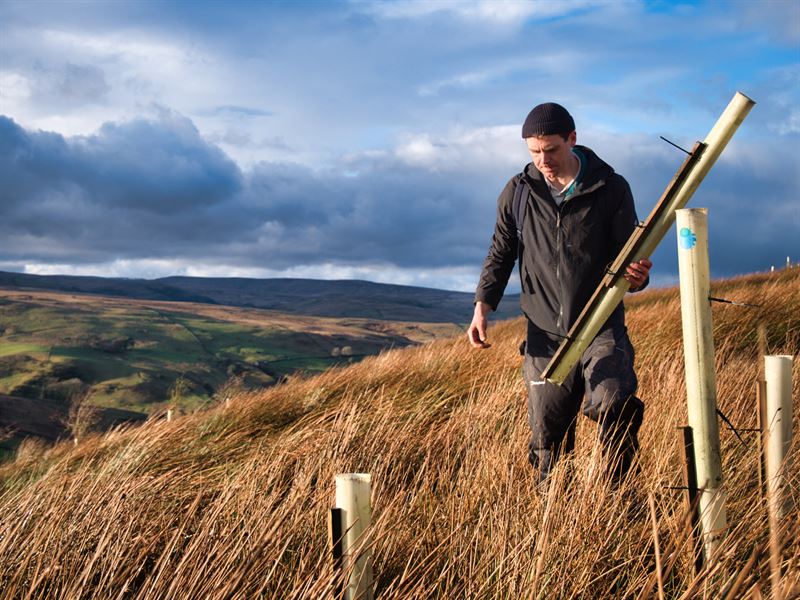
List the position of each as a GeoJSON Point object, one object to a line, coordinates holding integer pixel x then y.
{"type": "Point", "coordinates": [603, 386]}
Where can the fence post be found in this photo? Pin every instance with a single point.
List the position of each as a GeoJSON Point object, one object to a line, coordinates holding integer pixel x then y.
{"type": "Point", "coordinates": [701, 385]}
{"type": "Point", "coordinates": [353, 498]}
{"type": "Point", "coordinates": [761, 435]}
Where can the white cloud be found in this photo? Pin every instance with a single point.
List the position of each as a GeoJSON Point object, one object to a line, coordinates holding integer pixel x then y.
{"type": "Point", "coordinates": [144, 269]}
{"type": "Point", "coordinates": [421, 150]}
{"type": "Point", "coordinates": [464, 80]}
{"type": "Point", "coordinates": [74, 81]}
{"type": "Point", "coordinates": [499, 147]}
{"type": "Point", "coordinates": [549, 63]}
{"type": "Point", "coordinates": [129, 48]}
{"type": "Point", "coordinates": [14, 87]}
{"type": "Point", "coordinates": [500, 12]}
{"type": "Point", "coordinates": [507, 11]}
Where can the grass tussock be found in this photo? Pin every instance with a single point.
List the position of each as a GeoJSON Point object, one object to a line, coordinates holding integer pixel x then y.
{"type": "Point", "coordinates": [232, 502]}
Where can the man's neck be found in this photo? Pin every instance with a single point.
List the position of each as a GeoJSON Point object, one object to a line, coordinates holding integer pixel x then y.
{"type": "Point", "coordinates": [564, 180]}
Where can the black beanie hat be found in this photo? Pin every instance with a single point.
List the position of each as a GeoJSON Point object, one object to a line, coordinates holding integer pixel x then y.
{"type": "Point", "coordinates": [547, 119]}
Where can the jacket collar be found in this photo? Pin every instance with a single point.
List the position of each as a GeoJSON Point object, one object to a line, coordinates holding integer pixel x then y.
{"type": "Point", "coordinates": [593, 175]}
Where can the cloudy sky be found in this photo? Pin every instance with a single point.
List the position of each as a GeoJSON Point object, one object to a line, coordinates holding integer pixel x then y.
{"type": "Point", "coordinates": [370, 139]}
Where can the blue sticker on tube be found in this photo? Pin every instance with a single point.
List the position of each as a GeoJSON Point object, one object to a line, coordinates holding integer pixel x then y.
{"type": "Point", "coordinates": [687, 239]}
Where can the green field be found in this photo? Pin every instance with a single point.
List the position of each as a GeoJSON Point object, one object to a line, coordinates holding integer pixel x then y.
{"type": "Point", "coordinates": [142, 355]}
{"type": "Point", "coordinates": [21, 348]}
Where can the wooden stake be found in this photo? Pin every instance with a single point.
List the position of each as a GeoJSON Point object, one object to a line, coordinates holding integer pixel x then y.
{"type": "Point", "coordinates": [689, 472]}
{"type": "Point", "coordinates": [336, 535]}
{"type": "Point", "coordinates": [761, 394]}
{"type": "Point", "coordinates": [761, 334]}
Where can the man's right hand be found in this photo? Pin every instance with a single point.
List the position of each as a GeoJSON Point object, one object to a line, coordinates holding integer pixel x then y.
{"type": "Point", "coordinates": [477, 329]}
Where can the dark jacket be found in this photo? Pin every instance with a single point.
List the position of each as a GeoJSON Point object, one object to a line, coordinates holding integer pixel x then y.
{"type": "Point", "coordinates": [564, 250]}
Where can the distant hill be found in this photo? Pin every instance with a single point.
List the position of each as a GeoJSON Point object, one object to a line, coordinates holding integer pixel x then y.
{"type": "Point", "coordinates": [311, 297]}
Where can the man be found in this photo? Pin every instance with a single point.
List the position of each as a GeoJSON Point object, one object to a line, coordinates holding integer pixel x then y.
{"type": "Point", "coordinates": [571, 217]}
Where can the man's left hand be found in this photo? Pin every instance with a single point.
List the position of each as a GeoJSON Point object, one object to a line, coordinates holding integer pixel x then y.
{"type": "Point", "coordinates": [637, 273]}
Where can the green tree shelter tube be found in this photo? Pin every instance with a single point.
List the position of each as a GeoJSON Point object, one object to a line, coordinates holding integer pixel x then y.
{"type": "Point", "coordinates": [645, 239]}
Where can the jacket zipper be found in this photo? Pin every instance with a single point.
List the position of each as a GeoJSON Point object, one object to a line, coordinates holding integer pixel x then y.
{"type": "Point", "coordinates": [559, 322]}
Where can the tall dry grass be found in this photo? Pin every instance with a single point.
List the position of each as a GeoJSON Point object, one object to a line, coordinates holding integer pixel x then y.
{"type": "Point", "coordinates": [232, 503]}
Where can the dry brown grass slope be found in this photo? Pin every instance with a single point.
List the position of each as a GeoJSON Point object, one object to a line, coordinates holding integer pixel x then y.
{"type": "Point", "coordinates": [231, 503]}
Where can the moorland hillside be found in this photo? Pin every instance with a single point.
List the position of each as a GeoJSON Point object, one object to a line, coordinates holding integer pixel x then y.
{"type": "Point", "coordinates": [231, 502]}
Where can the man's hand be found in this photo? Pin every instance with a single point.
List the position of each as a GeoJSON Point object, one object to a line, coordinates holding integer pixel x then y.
{"type": "Point", "coordinates": [637, 272]}
{"type": "Point", "coordinates": [477, 329]}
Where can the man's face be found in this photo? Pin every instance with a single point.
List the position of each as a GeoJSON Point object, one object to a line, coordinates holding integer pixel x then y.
{"type": "Point", "coordinates": [552, 154]}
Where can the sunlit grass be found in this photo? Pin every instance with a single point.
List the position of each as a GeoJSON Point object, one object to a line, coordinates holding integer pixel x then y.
{"type": "Point", "coordinates": [231, 503]}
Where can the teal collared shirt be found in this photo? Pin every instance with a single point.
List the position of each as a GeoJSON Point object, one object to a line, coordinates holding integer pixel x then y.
{"type": "Point", "coordinates": [567, 192]}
